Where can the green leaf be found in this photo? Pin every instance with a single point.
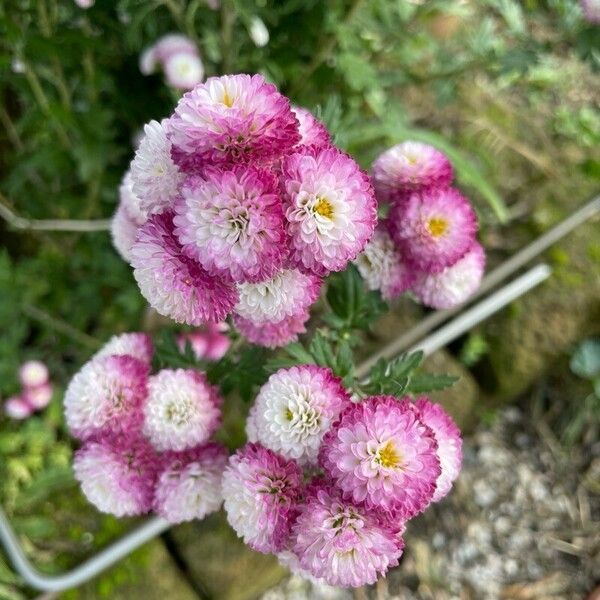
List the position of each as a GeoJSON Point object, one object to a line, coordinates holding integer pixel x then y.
{"type": "Point", "coordinates": [426, 382]}
{"type": "Point", "coordinates": [393, 377]}
{"type": "Point", "coordinates": [168, 354]}
{"type": "Point", "coordinates": [585, 361]}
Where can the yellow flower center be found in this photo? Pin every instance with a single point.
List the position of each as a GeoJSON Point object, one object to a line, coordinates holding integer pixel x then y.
{"type": "Point", "coordinates": [437, 226]}
{"type": "Point", "coordinates": [227, 100]}
{"type": "Point", "coordinates": [323, 207]}
{"type": "Point", "coordinates": [388, 456]}
{"type": "Point", "coordinates": [289, 415]}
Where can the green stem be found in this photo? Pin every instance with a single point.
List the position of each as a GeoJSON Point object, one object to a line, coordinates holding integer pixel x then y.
{"type": "Point", "coordinates": [228, 18]}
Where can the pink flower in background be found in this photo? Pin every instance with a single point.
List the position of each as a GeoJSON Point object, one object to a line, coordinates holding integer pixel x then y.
{"type": "Point", "coordinates": [208, 343]}
{"type": "Point", "coordinates": [173, 283]}
{"type": "Point", "coordinates": [434, 228]}
{"type": "Point", "coordinates": [33, 373]}
{"type": "Point", "coordinates": [261, 490]}
{"type": "Point", "coordinates": [189, 483]}
{"type": "Point", "coordinates": [232, 222]}
{"type": "Point", "coordinates": [273, 335]}
{"type": "Point", "coordinates": [17, 408]}
{"type": "Point", "coordinates": [294, 409]}
{"type": "Point", "coordinates": [117, 474]}
{"type": "Point", "coordinates": [312, 131]}
{"type": "Point", "coordinates": [233, 118]}
{"type": "Point", "coordinates": [36, 391]}
{"type": "Point", "coordinates": [330, 209]}
{"type": "Point", "coordinates": [136, 344]}
{"type": "Point", "coordinates": [454, 284]}
{"type": "Point", "coordinates": [449, 441]}
{"type": "Point", "coordinates": [381, 454]}
{"type": "Point", "coordinates": [106, 395]}
{"type": "Point", "coordinates": [85, 3]}
{"type": "Point", "coordinates": [341, 542]}
{"type": "Point", "coordinates": [410, 167]}
{"type": "Point", "coordinates": [591, 10]}
{"type": "Point", "coordinates": [182, 409]}
{"type": "Point", "coordinates": [39, 396]}
{"type": "Point", "coordinates": [381, 266]}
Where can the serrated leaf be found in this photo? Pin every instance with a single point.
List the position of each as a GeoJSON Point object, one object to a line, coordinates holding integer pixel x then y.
{"type": "Point", "coordinates": [423, 383]}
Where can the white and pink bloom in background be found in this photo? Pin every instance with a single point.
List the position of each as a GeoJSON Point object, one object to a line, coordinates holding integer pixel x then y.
{"type": "Point", "coordinates": [36, 391]}
{"type": "Point", "coordinates": [591, 11]}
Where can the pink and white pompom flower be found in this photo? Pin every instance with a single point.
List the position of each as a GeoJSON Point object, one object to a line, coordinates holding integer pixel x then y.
{"type": "Point", "coordinates": [261, 490]}
{"type": "Point", "coordinates": [273, 335]}
{"type": "Point", "coordinates": [294, 410]}
{"type": "Point", "coordinates": [312, 131]}
{"type": "Point", "coordinates": [591, 11]}
{"type": "Point", "coordinates": [136, 344]}
{"type": "Point", "coordinates": [381, 454]}
{"type": "Point", "coordinates": [209, 343]}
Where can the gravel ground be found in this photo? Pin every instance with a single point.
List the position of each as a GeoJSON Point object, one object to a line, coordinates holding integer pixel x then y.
{"type": "Point", "coordinates": [522, 523]}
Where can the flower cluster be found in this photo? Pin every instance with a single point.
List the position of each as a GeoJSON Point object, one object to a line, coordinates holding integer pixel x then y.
{"type": "Point", "coordinates": [427, 244]}
{"type": "Point", "coordinates": [591, 11]}
{"type": "Point", "coordinates": [146, 438]}
{"type": "Point", "coordinates": [36, 391]}
{"type": "Point", "coordinates": [240, 204]}
{"type": "Point", "coordinates": [328, 484]}
{"type": "Point", "coordinates": [179, 59]}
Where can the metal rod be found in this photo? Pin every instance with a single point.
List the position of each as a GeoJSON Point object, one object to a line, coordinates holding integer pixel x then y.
{"type": "Point", "coordinates": [493, 278]}
{"type": "Point", "coordinates": [85, 571]}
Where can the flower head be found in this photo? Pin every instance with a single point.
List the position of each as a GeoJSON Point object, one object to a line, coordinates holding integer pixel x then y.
{"type": "Point", "coordinates": [410, 167]}
{"type": "Point", "coordinates": [330, 209]}
{"type": "Point", "coordinates": [182, 409]}
{"type": "Point", "coordinates": [156, 178]}
{"type": "Point", "coordinates": [591, 11]}
{"type": "Point", "coordinates": [341, 542]}
{"type": "Point", "coordinates": [130, 201]}
{"type": "Point", "coordinates": [17, 408]}
{"type": "Point", "coordinates": [117, 474]}
{"type": "Point", "coordinates": [39, 396]}
{"type": "Point", "coordinates": [136, 344]}
{"type": "Point", "coordinates": [209, 343]}
{"type": "Point", "coordinates": [380, 453]}
{"type": "Point", "coordinates": [33, 373]}
{"type": "Point", "coordinates": [233, 118]}
{"type": "Point", "coordinates": [232, 223]}
{"type": "Point", "coordinates": [172, 282]}
{"type": "Point", "coordinates": [106, 395]}
{"type": "Point", "coordinates": [449, 442]}
{"type": "Point", "coordinates": [454, 284]}
{"type": "Point", "coordinates": [273, 335]}
{"type": "Point", "coordinates": [189, 483]}
{"type": "Point", "coordinates": [123, 230]}
{"type": "Point", "coordinates": [434, 228]}
{"type": "Point", "coordinates": [312, 131]}
{"type": "Point", "coordinates": [183, 70]}
{"type": "Point", "coordinates": [380, 264]}
{"type": "Point", "coordinates": [261, 489]}
{"type": "Point", "coordinates": [294, 410]}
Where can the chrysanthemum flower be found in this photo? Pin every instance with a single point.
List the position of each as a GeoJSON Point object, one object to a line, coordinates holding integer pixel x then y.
{"type": "Point", "coordinates": [208, 343]}
{"type": "Point", "coordinates": [39, 396]}
{"type": "Point", "coordinates": [410, 167]}
{"type": "Point", "coordinates": [123, 230]}
{"type": "Point", "coordinates": [434, 228]}
{"type": "Point", "coordinates": [288, 293]}
{"type": "Point", "coordinates": [273, 335]}
{"type": "Point", "coordinates": [591, 11]}
{"type": "Point", "coordinates": [173, 43]}
{"type": "Point", "coordinates": [156, 178]}
{"type": "Point", "coordinates": [130, 201]}
{"type": "Point", "coordinates": [343, 543]}
{"type": "Point", "coordinates": [312, 131]}
{"type": "Point", "coordinates": [381, 266]}
{"type": "Point", "coordinates": [294, 409]}
{"type": "Point", "coordinates": [33, 373]}
{"type": "Point", "coordinates": [183, 70]}
{"type": "Point", "coordinates": [380, 453]}
{"type": "Point", "coordinates": [117, 474]}
{"type": "Point", "coordinates": [449, 442]}
{"type": "Point", "coordinates": [232, 223]}
{"type": "Point", "coordinates": [182, 409]}
{"type": "Point", "coordinates": [106, 395]}
{"type": "Point", "coordinates": [261, 489]}
{"type": "Point", "coordinates": [232, 118]}
{"type": "Point", "coordinates": [17, 408]}
{"type": "Point", "coordinates": [136, 344]}
{"type": "Point", "coordinates": [454, 284]}
{"type": "Point", "coordinates": [330, 208]}
{"type": "Point", "coordinates": [189, 483]}
{"type": "Point", "coordinates": [173, 283]}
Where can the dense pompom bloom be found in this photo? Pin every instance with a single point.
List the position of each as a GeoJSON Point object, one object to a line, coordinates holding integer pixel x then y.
{"type": "Point", "coordinates": [117, 474]}
{"type": "Point", "coordinates": [261, 490]}
{"type": "Point", "coordinates": [312, 131]}
{"type": "Point", "coordinates": [189, 483]}
{"type": "Point", "coordinates": [380, 453]}
{"type": "Point", "coordinates": [156, 178]}
{"type": "Point", "coordinates": [449, 442]}
{"type": "Point", "coordinates": [294, 410]}
{"type": "Point", "coordinates": [273, 335]}
{"type": "Point", "coordinates": [410, 167]}
{"type": "Point", "coordinates": [288, 293]}
{"type": "Point", "coordinates": [33, 373]}
{"type": "Point", "coordinates": [591, 11]}
{"type": "Point", "coordinates": [381, 266]}
{"type": "Point", "coordinates": [434, 228]}
{"type": "Point", "coordinates": [39, 396]}
{"type": "Point", "coordinates": [174, 284]}
{"type": "Point", "coordinates": [342, 543]}
{"type": "Point", "coordinates": [106, 395]}
{"type": "Point", "coordinates": [183, 71]}
{"type": "Point", "coordinates": [454, 284]}
{"type": "Point", "coordinates": [123, 230]}
{"type": "Point", "coordinates": [136, 344]}
{"type": "Point", "coordinates": [232, 223]}
{"type": "Point", "coordinates": [182, 409]}
{"type": "Point", "coordinates": [209, 343]}
{"type": "Point", "coordinates": [330, 209]}
{"type": "Point", "coordinates": [232, 118]}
